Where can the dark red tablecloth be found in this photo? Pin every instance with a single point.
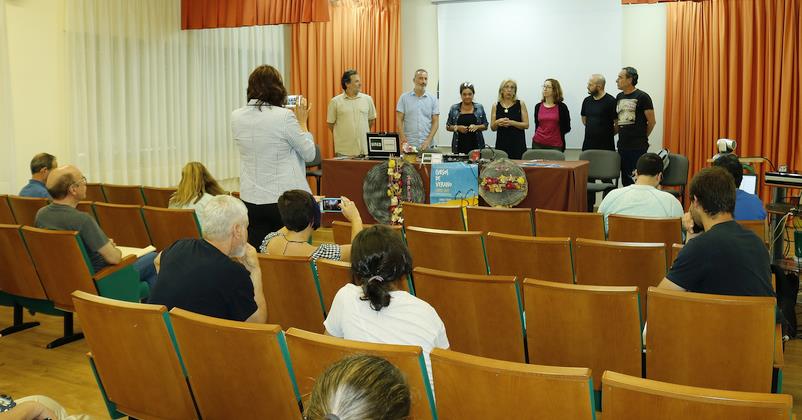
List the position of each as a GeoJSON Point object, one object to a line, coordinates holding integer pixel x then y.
{"type": "Point", "coordinates": [563, 188]}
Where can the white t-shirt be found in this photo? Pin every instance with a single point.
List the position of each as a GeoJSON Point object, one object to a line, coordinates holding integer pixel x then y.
{"type": "Point", "coordinates": [408, 321]}
{"type": "Point", "coordinates": [640, 201]}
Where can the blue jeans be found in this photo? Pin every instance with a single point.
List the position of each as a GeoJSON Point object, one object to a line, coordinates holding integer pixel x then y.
{"type": "Point", "coordinates": [629, 160]}
{"type": "Point", "coordinates": [147, 271]}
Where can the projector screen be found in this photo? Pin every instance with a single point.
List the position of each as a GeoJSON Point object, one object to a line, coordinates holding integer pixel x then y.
{"type": "Point", "coordinates": [485, 42]}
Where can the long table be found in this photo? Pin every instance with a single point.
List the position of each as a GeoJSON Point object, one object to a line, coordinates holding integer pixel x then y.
{"type": "Point", "coordinates": [552, 188]}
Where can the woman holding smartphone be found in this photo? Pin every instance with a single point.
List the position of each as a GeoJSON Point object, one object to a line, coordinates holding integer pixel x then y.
{"type": "Point", "coordinates": [274, 143]}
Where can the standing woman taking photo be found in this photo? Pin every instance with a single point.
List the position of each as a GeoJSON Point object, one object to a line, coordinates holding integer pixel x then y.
{"type": "Point", "coordinates": [552, 120]}
{"type": "Point", "coordinates": [274, 143]}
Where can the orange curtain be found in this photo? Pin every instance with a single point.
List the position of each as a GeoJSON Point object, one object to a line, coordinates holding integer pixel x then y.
{"type": "Point", "coordinates": [204, 14]}
{"type": "Point", "coordinates": [733, 71]}
{"type": "Point", "coordinates": [364, 35]}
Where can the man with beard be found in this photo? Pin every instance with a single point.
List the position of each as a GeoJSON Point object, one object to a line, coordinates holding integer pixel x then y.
{"type": "Point", "coordinates": [418, 114]}
{"type": "Point", "coordinates": [218, 275]}
{"type": "Point", "coordinates": [725, 258]}
{"type": "Point", "coordinates": [599, 116]}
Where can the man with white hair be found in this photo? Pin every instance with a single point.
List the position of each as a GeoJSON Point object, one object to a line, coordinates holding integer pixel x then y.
{"type": "Point", "coordinates": [218, 275]}
{"type": "Point", "coordinates": [599, 116]}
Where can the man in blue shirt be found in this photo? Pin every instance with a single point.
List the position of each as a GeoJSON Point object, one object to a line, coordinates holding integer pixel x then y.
{"type": "Point", "coordinates": [418, 114]}
{"type": "Point", "coordinates": [747, 206]}
{"type": "Point", "coordinates": [41, 165]}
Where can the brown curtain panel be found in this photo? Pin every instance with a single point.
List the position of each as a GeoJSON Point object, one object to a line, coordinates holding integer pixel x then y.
{"type": "Point", "coordinates": [205, 14]}
{"type": "Point", "coordinates": [364, 35]}
{"type": "Point", "coordinates": [733, 71]}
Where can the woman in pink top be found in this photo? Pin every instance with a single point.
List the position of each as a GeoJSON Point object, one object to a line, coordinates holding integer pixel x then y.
{"type": "Point", "coordinates": [552, 119]}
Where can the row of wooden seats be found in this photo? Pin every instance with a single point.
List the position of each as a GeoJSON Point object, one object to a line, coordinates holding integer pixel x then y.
{"type": "Point", "coordinates": [551, 223]}
{"type": "Point", "coordinates": [129, 225]}
{"type": "Point", "coordinates": [40, 268]}
{"type": "Point", "coordinates": [141, 353]}
{"type": "Point", "coordinates": [562, 324]}
{"type": "Point", "coordinates": [129, 194]}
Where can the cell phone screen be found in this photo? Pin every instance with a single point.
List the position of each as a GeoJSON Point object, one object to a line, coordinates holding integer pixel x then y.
{"type": "Point", "coordinates": [330, 205]}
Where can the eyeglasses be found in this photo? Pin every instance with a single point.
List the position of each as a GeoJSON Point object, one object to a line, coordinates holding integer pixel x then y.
{"type": "Point", "coordinates": [80, 182]}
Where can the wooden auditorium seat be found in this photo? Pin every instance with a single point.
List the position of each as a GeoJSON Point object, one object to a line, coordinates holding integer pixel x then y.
{"type": "Point", "coordinates": [530, 257]}
{"type": "Point", "coordinates": [511, 221]}
{"type": "Point", "coordinates": [447, 250]}
{"type": "Point", "coordinates": [6, 215]}
{"type": "Point", "coordinates": [133, 354]}
{"type": "Point", "coordinates": [235, 369]}
{"type": "Point", "coordinates": [574, 225]}
{"type": "Point", "coordinates": [667, 230]}
{"type": "Point", "coordinates": [628, 397]}
{"type": "Point", "coordinates": [675, 249]}
{"type": "Point", "coordinates": [473, 387]}
{"type": "Point", "coordinates": [25, 208]}
{"type": "Point", "coordinates": [71, 271]}
{"type": "Point", "coordinates": [20, 286]}
{"type": "Point", "coordinates": [711, 341]}
{"type": "Point", "coordinates": [576, 325]}
{"type": "Point", "coordinates": [312, 353]}
{"type": "Point", "coordinates": [157, 197]}
{"type": "Point", "coordinates": [166, 226]}
{"type": "Point", "coordinates": [607, 263]}
{"type": "Point", "coordinates": [342, 231]}
{"type": "Point", "coordinates": [291, 292]}
{"type": "Point", "coordinates": [760, 228]}
{"type": "Point", "coordinates": [94, 192]}
{"type": "Point", "coordinates": [123, 223]}
{"type": "Point", "coordinates": [433, 216]}
{"type": "Point", "coordinates": [482, 313]}
{"type": "Point", "coordinates": [123, 194]}
{"type": "Point", "coordinates": [86, 207]}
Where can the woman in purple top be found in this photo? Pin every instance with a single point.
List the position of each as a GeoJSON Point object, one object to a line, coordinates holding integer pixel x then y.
{"type": "Point", "coordinates": [552, 120]}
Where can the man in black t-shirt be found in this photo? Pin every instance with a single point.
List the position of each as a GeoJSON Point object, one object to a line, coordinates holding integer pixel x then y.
{"type": "Point", "coordinates": [635, 122]}
{"type": "Point", "coordinates": [599, 116]}
{"type": "Point", "coordinates": [218, 275]}
{"type": "Point", "coordinates": [726, 259]}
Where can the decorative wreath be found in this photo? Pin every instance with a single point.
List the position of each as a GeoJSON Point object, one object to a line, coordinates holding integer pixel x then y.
{"type": "Point", "coordinates": [387, 185]}
{"type": "Point", "coordinates": [502, 183]}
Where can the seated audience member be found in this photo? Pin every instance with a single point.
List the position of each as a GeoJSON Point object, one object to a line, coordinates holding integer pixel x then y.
{"type": "Point", "coordinates": [41, 166]}
{"type": "Point", "coordinates": [196, 188]}
{"type": "Point", "coordinates": [747, 206]}
{"type": "Point", "coordinates": [643, 198]}
{"type": "Point", "coordinates": [359, 387]}
{"type": "Point", "coordinates": [36, 407]}
{"type": "Point", "coordinates": [300, 213]}
{"type": "Point", "coordinates": [373, 307]}
{"type": "Point", "coordinates": [67, 186]}
{"type": "Point", "coordinates": [218, 275]}
{"type": "Point", "coordinates": [725, 259]}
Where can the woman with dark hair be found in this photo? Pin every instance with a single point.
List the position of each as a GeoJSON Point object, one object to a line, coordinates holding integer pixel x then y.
{"type": "Point", "coordinates": [300, 214]}
{"type": "Point", "coordinates": [466, 120]}
{"type": "Point", "coordinates": [359, 387]}
{"type": "Point", "coordinates": [373, 307]}
{"type": "Point", "coordinates": [552, 119]}
{"type": "Point", "coordinates": [274, 142]}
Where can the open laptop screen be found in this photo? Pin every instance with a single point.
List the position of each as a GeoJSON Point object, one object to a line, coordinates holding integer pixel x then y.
{"type": "Point", "coordinates": [749, 184]}
{"type": "Point", "coordinates": [383, 145]}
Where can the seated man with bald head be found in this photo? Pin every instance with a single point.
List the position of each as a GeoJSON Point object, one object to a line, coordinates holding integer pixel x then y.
{"type": "Point", "coordinates": [67, 186]}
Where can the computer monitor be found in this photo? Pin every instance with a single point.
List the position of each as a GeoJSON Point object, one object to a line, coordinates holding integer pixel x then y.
{"type": "Point", "coordinates": [383, 145]}
{"type": "Point", "coordinates": [749, 184]}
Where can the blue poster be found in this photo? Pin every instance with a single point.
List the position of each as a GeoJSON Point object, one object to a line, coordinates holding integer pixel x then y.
{"type": "Point", "coordinates": [454, 183]}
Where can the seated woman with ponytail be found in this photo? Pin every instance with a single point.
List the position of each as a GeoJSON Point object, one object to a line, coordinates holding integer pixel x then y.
{"type": "Point", "coordinates": [373, 308]}
{"type": "Point", "coordinates": [300, 213]}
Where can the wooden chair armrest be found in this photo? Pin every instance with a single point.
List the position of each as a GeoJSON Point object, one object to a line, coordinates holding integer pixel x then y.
{"type": "Point", "coordinates": [111, 269]}
{"type": "Point", "coordinates": [779, 359]}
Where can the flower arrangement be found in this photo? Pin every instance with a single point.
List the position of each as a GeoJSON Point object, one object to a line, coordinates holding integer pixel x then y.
{"type": "Point", "coordinates": [502, 183]}
{"type": "Point", "coordinates": [395, 189]}
{"type": "Point", "coordinates": [409, 152]}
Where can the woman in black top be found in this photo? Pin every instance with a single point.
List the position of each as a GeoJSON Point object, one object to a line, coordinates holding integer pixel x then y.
{"type": "Point", "coordinates": [466, 120]}
{"type": "Point", "coordinates": [509, 119]}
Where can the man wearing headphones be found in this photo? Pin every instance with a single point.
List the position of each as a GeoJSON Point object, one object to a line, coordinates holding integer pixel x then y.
{"type": "Point", "coordinates": [642, 199]}
{"type": "Point", "coordinates": [350, 116]}
{"type": "Point", "coordinates": [635, 122]}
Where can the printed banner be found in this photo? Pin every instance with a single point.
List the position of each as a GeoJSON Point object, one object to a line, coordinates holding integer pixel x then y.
{"type": "Point", "coordinates": [454, 183]}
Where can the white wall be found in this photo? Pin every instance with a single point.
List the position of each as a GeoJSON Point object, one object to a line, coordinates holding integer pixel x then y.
{"type": "Point", "coordinates": [643, 35]}
{"type": "Point", "coordinates": [37, 69]}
